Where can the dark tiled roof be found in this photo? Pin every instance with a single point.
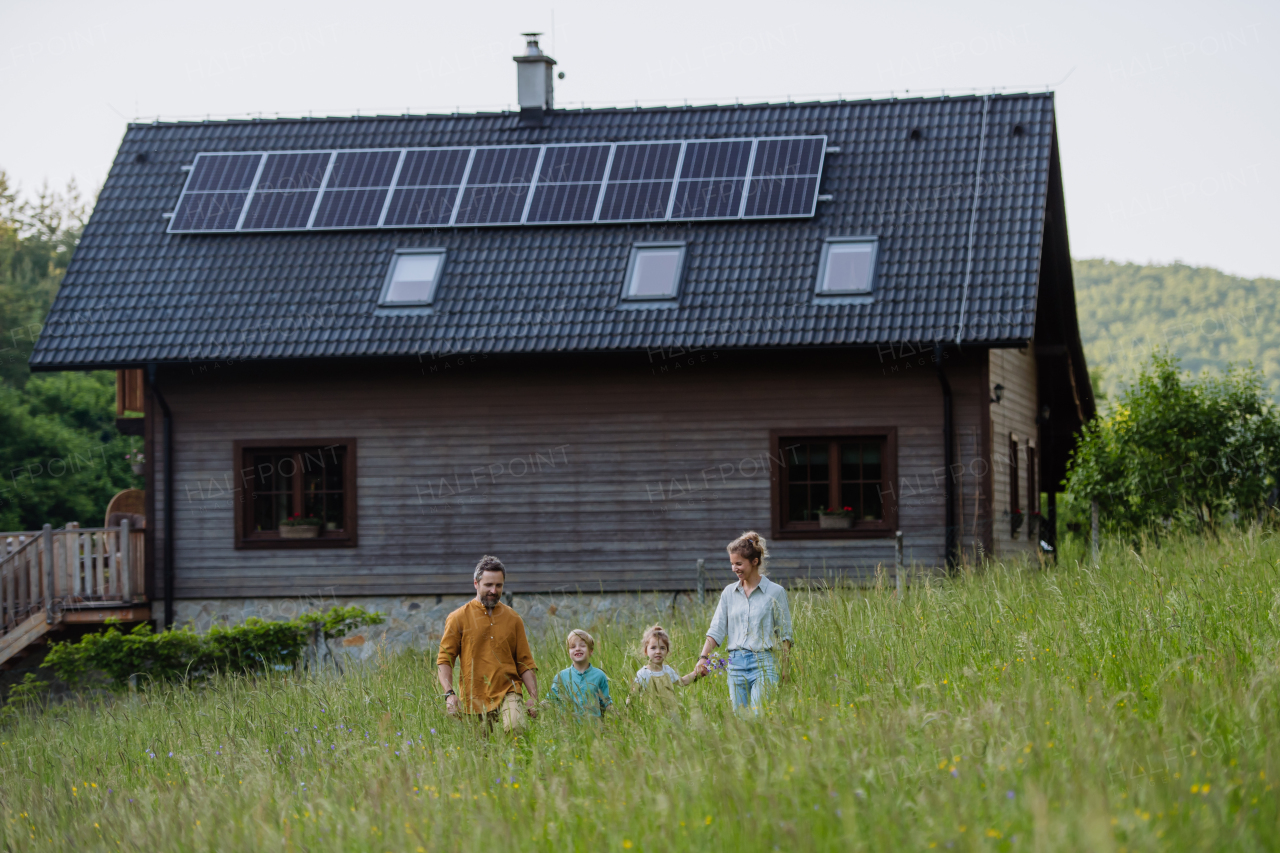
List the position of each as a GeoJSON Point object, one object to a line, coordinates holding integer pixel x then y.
{"type": "Point", "coordinates": [135, 294]}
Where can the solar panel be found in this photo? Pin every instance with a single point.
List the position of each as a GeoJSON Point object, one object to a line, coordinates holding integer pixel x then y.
{"type": "Point", "coordinates": [727, 159]}
{"type": "Point", "coordinates": [215, 192]}
{"type": "Point", "coordinates": [712, 175]}
{"type": "Point", "coordinates": [303, 170]}
{"type": "Point", "coordinates": [278, 211]}
{"type": "Point", "coordinates": [208, 212]}
{"type": "Point", "coordinates": [569, 183]}
{"type": "Point", "coordinates": [502, 185]}
{"type": "Point", "coordinates": [427, 187]}
{"type": "Point", "coordinates": [223, 172]}
{"type": "Point", "coordinates": [434, 167]}
{"type": "Point", "coordinates": [350, 208]}
{"type": "Point", "coordinates": [286, 192]}
{"type": "Point", "coordinates": [784, 177]}
{"type": "Point", "coordinates": [363, 169]}
{"type": "Point", "coordinates": [498, 185]}
{"type": "Point", "coordinates": [639, 185]}
{"type": "Point", "coordinates": [421, 206]}
{"type": "Point", "coordinates": [357, 189]}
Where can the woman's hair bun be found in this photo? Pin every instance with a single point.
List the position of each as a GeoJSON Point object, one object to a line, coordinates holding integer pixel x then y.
{"type": "Point", "coordinates": [752, 546]}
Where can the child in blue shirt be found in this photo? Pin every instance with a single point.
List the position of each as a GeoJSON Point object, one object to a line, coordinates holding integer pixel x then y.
{"type": "Point", "coordinates": [582, 684]}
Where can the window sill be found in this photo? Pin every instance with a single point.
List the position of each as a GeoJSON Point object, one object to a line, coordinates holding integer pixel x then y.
{"type": "Point", "coordinates": [864, 533]}
{"type": "Point", "coordinates": [272, 544]}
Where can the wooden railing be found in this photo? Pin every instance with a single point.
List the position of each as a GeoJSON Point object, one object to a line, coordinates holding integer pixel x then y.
{"type": "Point", "coordinates": [58, 570]}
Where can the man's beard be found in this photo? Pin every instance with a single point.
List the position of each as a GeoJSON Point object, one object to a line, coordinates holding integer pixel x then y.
{"type": "Point", "coordinates": [489, 599]}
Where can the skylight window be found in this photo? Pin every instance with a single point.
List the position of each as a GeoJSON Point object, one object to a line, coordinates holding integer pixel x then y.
{"type": "Point", "coordinates": [848, 266]}
{"type": "Point", "coordinates": [654, 271]}
{"type": "Point", "coordinates": [413, 278]}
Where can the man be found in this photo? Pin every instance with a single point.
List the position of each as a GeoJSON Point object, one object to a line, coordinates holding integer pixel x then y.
{"type": "Point", "coordinates": [488, 638]}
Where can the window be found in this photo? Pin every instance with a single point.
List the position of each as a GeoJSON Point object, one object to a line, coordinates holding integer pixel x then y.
{"type": "Point", "coordinates": [1033, 485]}
{"type": "Point", "coordinates": [296, 480]}
{"type": "Point", "coordinates": [850, 474]}
{"type": "Point", "coordinates": [1015, 503]}
{"type": "Point", "coordinates": [847, 267]}
{"type": "Point", "coordinates": [654, 271]}
{"type": "Point", "coordinates": [413, 278]}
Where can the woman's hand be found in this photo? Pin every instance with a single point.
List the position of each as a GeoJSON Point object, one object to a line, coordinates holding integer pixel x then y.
{"type": "Point", "coordinates": [701, 669]}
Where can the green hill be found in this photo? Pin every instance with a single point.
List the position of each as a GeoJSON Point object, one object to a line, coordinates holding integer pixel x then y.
{"type": "Point", "coordinates": [1206, 317]}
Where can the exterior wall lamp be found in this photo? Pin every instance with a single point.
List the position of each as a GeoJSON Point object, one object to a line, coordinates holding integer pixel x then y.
{"type": "Point", "coordinates": [999, 393]}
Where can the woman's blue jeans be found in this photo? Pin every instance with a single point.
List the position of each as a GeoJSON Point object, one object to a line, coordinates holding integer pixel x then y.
{"type": "Point", "coordinates": [752, 677]}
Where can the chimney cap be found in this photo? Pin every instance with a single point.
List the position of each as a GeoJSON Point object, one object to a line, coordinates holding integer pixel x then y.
{"type": "Point", "coordinates": [531, 44]}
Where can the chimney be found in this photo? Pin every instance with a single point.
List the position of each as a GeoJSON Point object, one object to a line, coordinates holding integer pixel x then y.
{"type": "Point", "coordinates": [534, 78]}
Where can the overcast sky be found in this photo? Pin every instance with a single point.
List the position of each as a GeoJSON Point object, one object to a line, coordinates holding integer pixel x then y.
{"type": "Point", "coordinates": [1168, 113]}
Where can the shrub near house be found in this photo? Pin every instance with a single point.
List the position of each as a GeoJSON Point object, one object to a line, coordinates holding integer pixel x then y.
{"type": "Point", "coordinates": [1181, 451]}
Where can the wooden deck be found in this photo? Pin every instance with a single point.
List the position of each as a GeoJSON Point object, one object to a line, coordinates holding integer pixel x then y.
{"type": "Point", "coordinates": [50, 578]}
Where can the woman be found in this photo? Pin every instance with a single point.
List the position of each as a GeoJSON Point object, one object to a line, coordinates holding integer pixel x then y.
{"type": "Point", "coordinates": [755, 619]}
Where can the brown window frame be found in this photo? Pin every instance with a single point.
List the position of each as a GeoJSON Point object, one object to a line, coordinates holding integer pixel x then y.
{"type": "Point", "coordinates": [248, 539]}
{"type": "Point", "coordinates": [883, 529]}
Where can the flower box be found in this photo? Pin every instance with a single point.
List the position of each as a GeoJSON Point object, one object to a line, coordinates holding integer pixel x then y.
{"type": "Point", "coordinates": [299, 531]}
{"type": "Point", "coordinates": [829, 521]}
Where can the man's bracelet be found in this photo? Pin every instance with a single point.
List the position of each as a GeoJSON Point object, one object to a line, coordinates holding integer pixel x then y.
{"type": "Point", "coordinates": [704, 657]}
{"type": "Point", "coordinates": [450, 693]}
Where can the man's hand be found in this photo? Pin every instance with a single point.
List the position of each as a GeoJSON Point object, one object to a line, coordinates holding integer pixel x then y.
{"type": "Point", "coordinates": [701, 669]}
{"type": "Point", "coordinates": [532, 706]}
{"type": "Point", "coordinates": [451, 705]}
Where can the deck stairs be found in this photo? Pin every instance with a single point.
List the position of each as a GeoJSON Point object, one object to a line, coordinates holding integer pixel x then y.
{"type": "Point", "coordinates": [53, 579]}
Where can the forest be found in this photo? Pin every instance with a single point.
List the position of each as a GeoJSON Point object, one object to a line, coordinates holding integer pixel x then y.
{"type": "Point", "coordinates": [61, 457]}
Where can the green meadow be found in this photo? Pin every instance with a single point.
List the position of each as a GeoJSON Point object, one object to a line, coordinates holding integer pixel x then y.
{"type": "Point", "coordinates": [1130, 706]}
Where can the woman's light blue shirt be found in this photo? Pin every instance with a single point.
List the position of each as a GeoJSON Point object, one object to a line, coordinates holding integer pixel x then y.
{"type": "Point", "coordinates": [756, 623]}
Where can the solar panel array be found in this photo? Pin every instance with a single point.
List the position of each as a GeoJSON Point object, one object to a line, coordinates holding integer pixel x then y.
{"type": "Point", "coordinates": [753, 178]}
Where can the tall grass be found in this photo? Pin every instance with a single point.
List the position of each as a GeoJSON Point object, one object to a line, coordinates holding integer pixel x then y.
{"type": "Point", "coordinates": [1131, 706]}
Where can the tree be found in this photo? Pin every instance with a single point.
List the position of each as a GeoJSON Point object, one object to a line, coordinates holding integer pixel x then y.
{"type": "Point", "coordinates": [1177, 450]}
{"type": "Point", "coordinates": [37, 239]}
{"type": "Point", "coordinates": [61, 457]}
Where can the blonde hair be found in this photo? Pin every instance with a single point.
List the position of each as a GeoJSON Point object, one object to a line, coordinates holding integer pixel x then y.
{"type": "Point", "coordinates": [654, 632]}
{"type": "Point", "coordinates": [752, 546]}
{"type": "Point", "coordinates": [581, 635]}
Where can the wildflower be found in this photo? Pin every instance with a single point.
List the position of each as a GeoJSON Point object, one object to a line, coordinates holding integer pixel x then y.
{"type": "Point", "coordinates": [626, 844]}
{"type": "Point", "coordinates": [1009, 794]}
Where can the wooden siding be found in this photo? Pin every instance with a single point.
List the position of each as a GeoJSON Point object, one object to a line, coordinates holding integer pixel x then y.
{"type": "Point", "coordinates": [1015, 369]}
{"type": "Point", "coordinates": [608, 473]}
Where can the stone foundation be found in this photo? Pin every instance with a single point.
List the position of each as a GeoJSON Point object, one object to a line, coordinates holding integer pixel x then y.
{"type": "Point", "coordinates": [417, 621]}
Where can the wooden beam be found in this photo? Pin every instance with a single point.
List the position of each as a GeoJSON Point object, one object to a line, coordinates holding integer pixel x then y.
{"type": "Point", "coordinates": [32, 628]}
{"type": "Point", "coordinates": [102, 614]}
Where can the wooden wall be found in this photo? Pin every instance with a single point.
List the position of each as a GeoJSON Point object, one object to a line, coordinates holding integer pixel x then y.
{"type": "Point", "coordinates": [659, 460]}
{"type": "Point", "coordinates": [1015, 369]}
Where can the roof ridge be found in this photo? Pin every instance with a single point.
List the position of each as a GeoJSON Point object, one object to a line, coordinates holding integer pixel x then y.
{"type": "Point", "coordinates": [279, 119]}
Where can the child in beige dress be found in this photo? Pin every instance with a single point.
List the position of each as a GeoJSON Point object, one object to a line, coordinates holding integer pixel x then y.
{"type": "Point", "coordinates": [656, 682]}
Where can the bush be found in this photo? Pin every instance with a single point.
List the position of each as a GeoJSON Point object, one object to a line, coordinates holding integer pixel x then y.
{"type": "Point", "coordinates": [1180, 451]}
{"type": "Point", "coordinates": [179, 655]}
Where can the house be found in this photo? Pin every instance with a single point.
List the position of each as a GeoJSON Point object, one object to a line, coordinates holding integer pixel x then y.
{"type": "Point", "coordinates": [598, 343]}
